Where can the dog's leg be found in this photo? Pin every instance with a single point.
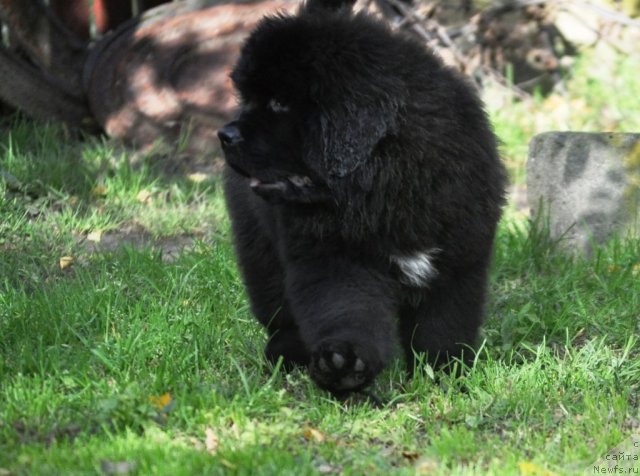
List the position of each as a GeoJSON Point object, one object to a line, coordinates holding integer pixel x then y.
{"type": "Point", "coordinates": [263, 276]}
{"type": "Point", "coordinates": [445, 323]}
{"type": "Point", "coordinates": [345, 311]}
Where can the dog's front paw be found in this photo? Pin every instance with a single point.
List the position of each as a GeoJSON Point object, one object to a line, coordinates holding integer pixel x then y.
{"type": "Point", "coordinates": [342, 367]}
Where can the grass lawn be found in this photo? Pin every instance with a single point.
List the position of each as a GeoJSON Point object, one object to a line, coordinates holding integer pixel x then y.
{"type": "Point", "coordinates": [127, 345]}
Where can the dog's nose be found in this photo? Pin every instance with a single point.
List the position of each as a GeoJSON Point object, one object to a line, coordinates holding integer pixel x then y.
{"type": "Point", "coordinates": [229, 135]}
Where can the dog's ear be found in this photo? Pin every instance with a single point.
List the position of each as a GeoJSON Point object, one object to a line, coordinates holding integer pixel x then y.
{"type": "Point", "coordinates": [331, 5]}
{"type": "Point", "coordinates": [344, 137]}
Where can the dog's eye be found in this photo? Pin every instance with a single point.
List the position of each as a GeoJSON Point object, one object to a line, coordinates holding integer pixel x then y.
{"type": "Point", "coordinates": [277, 106]}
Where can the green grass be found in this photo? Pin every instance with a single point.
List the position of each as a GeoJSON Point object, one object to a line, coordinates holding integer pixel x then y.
{"type": "Point", "coordinates": [602, 94]}
{"type": "Point", "coordinates": [131, 356]}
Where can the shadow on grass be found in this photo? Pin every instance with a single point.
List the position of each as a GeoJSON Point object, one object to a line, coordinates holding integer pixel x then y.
{"type": "Point", "coordinates": [54, 187]}
{"type": "Point", "coordinates": [45, 158]}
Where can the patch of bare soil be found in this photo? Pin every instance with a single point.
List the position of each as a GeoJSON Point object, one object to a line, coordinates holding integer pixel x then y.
{"type": "Point", "coordinates": [135, 236]}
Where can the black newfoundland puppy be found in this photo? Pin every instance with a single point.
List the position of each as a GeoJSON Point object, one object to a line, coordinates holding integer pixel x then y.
{"type": "Point", "coordinates": [364, 188]}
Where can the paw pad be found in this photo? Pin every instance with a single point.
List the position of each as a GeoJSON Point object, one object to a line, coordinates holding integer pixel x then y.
{"type": "Point", "coordinates": [338, 367]}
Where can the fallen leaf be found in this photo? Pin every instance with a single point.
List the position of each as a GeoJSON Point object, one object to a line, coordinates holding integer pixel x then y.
{"type": "Point", "coordinates": [311, 434]}
{"type": "Point", "coordinates": [164, 402]}
{"type": "Point", "coordinates": [410, 455]}
{"type": "Point", "coordinates": [144, 196]}
{"type": "Point", "coordinates": [95, 236]}
{"type": "Point", "coordinates": [211, 441]}
{"type": "Point", "coordinates": [198, 177]}
{"type": "Point", "coordinates": [66, 261]}
{"type": "Point", "coordinates": [528, 468]}
{"type": "Point", "coordinates": [100, 191]}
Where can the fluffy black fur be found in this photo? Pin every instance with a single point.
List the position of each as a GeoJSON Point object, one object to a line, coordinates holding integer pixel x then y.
{"type": "Point", "coordinates": [364, 188]}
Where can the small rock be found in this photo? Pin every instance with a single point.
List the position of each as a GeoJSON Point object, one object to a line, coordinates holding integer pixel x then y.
{"type": "Point", "coordinates": [587, 183]}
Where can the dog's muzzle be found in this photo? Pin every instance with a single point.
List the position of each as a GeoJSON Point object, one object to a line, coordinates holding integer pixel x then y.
{"type": "Point", "coordinates": [229, 135]}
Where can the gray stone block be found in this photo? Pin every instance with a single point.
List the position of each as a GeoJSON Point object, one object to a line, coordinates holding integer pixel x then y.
{"type": "Point", "coordinates": [587, 184]}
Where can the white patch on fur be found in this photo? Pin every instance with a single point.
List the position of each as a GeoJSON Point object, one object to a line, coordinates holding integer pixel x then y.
{"type": "Point", "coordinates": [418, 268]}
{"type": "Point", "coordinates": [277, 107]}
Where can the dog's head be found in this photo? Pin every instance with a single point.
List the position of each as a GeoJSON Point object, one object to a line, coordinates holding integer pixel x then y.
{"type": "Point", "coordinates": [318, 94]}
